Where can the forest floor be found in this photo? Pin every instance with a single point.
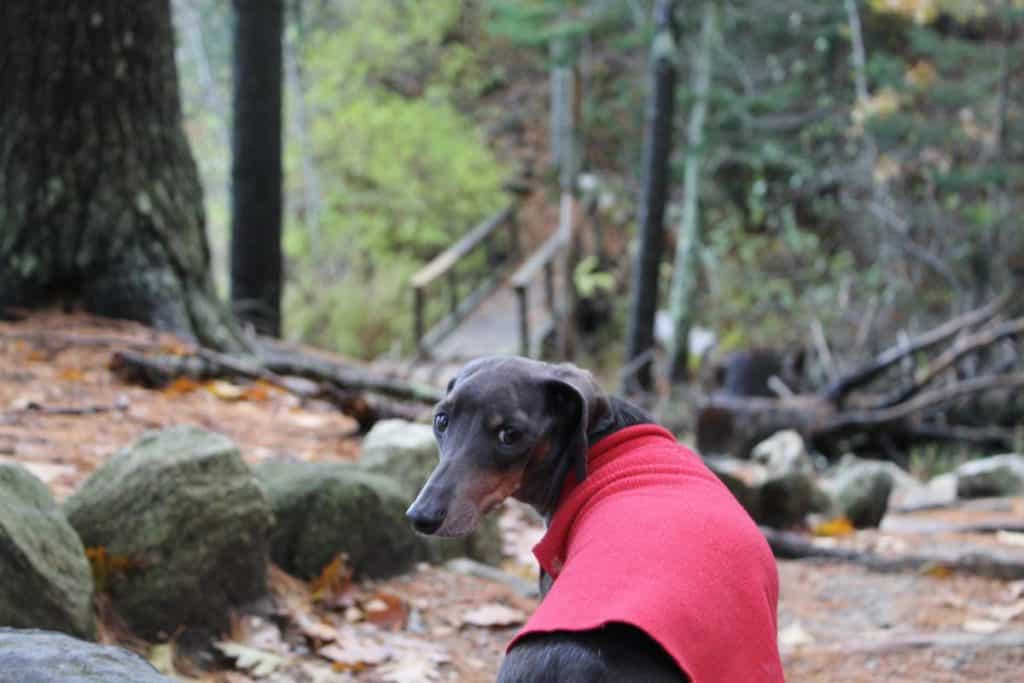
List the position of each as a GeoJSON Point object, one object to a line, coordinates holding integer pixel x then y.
{"type": "Point", "coordinates": [62, 412]}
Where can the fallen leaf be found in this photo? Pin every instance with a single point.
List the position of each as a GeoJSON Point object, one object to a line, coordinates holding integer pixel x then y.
{"type": "Point", "coordinates": [71, 375]}
{"type": "Point", "coordinates": [258, 392]}
{"type": "Point", "coordinates": [162, 658]}
{"type": "Point", "coordinates": [387, 611]}
{"type": "Point", "coordinates": [937, 571]}
{"type": "Point", "coordinates": [410, 668]}
{"type": "Point", "coordinates": [334, 580]}
{"type": "Point", "coordinates": [181, 386]}
{"type": "Point", "coordinates": [1006, 613]}
{"type": "Point", "coordinates": [795, 635]}
{"type": "Point", "coordinates": [835, 528]}
{"type": "Point", "coordinates": [259, 663]}
{"type": "Point", "coordinates": [493, 615]}
{"type": "Point", "coordinates": [1014, 538]}
{"type": "Point", "coordinates": [355, 654]}
{"type": "Point", "coordinates": [316, 630]}
{"type": "Point", "coordinates": [225, 391]}
{"type": "Point", "coordinates": [982, 626]}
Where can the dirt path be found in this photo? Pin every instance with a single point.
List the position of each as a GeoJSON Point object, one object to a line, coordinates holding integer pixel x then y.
{"type": "Point", "coordinates": [62, 413]}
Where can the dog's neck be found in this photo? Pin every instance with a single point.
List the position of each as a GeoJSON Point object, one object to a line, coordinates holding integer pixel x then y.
{"type": "Point", "coordinates": [618, 415]}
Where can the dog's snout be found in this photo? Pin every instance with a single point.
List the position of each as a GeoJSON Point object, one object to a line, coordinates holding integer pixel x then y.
{"type": "Point", "coordinates": [426, 521]}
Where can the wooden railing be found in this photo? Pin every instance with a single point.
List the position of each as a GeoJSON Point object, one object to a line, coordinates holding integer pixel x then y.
{"type": "Point", "coordinates": [483, 235]}
{"type": "Point", "coordinates": [543, 260]}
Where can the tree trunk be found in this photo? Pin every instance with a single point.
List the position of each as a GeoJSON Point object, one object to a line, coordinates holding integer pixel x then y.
{"type": "Point", "coordinates": [256, 262]}
{"type": "Point", "coordinates": [682, 298]}
{"type": "Point", "coordinates": [657, 149]}
{"type": "Point", "coordinates": [100, 202]}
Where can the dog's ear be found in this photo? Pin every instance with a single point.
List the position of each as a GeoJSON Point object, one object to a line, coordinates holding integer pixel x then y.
{"type": "Point", "coordinates": [582, 402]}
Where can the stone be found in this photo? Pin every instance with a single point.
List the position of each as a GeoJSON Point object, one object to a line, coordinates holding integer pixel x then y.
{"type": "Point", "coordinates": [322, 509]}
{"type": "Point", "coordinates": [782, 454]}
{"type": "Point", "coordinates": [408, 453]}
{"type": "Point", "coordinates": [998, 475]}
{"type": "Point", "coordinates": [744, 480]}
{"type": "Point", "coordinates": [937, 492]}
{"type": "Point", "coordinates": [45, 578]}
{"type": "Point", "coordinates": [34, 656]}
{"type": "Point", "coordinates": [188, 519]}
{"type": "Point", "coordinates": [861, 492]}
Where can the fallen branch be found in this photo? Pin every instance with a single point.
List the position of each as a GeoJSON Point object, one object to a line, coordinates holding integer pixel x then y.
{"type": "Point", "coordinates": [787, 545]}
{"type": "Point", "coordinates": [868, 373]}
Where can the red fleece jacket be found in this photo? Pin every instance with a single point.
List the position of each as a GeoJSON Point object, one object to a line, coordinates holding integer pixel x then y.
{"type": "Point", "coordinates": [653, 539]}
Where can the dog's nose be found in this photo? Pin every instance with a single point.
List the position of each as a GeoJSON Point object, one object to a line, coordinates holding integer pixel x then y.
{"type": "Point", "coordinates": [426, 522]}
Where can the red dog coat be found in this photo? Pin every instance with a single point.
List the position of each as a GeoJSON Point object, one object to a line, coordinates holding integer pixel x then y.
{"type": "Point", "coordinates": [652, 538]}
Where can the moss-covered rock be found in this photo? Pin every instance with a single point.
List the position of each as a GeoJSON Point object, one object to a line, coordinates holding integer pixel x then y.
{"type": "Point", "coordinates": [998, 475]}
{"type": "Point", "coordinates": [407, 452]}
{"type": "Point", "coordinates": [45, 657]}
{"type": "Point", "coordinates": [191, 523]}
{"type": "Point", "coordinates": [861, 490]}
{"type": "Point", "coordinates": [322, 509]}
{"type": "Point", "coordinates": [45, 580]}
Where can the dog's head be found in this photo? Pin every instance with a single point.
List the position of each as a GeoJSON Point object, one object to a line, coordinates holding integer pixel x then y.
{"type": "Point", "coordinates": [508, 426]}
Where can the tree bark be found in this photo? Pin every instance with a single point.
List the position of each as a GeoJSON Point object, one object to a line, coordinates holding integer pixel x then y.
{"type": "Point", "coordinates": [256, 198]}
{"type": "Point", "coordinates": [100, 202]}
{"type": "Point", "coordinates": [654, 196]}
{"type": "Point", "coordinates": [683, 296]}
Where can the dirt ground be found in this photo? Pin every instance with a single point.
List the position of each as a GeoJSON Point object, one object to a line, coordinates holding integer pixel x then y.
{"type": "Point", "coordinates": [62, 412]}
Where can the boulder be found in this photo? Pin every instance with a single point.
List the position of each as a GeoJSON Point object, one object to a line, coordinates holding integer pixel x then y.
{"type": "Point", "coordinates": [33, 656]}
{"type": "Point", "coordinates": [744, 480]}
{"type": "Point", "coordinates": [790, 489]}
{"type": "Point", "coordinates": [186, 522]}
{"type": "Point", "coordinates": [407, 452]}
{"type": "Point", "coordinates": [782, 454]}
{"type": "Point", "coordinates": [322, 509]}
{"type": "Point", "coordinates": [45, 579]}
{"type": "Point", "coordinates": [861, 490]}
{"type": "Point", "coordinates": [939, 491]}
{"type": "Point", "coordinates": [999, 475]}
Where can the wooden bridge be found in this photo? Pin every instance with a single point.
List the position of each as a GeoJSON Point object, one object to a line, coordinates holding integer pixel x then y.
{"type": "Point", "coordinates": [484, 296]}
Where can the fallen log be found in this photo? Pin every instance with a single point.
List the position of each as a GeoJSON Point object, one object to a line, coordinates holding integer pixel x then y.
{"type": "Point", "coordinates": [157, 371]}
{"type": "Point", "coordinates": [1006, 566]}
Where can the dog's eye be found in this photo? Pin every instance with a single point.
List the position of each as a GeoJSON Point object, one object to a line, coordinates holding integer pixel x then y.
{"type": "Point", "coordinates": [508, 436]}
{"type": "Point", "coordinates": [441, 422]}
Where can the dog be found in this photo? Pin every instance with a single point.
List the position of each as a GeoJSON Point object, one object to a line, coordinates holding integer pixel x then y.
{"type": "Point", "coordinates": [650, 569]}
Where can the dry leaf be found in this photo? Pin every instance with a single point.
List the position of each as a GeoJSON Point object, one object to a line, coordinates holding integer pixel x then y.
{"type": "Point", "coordinates": [257, 392]}
{"type": "Point", "coordinates": [316, 630]}
{"type": "Point", "coordinates": [982, 626]}
{"type": "Point", "coordinates": [259, 663]}
{"type": "Point", "coordinates": [493, 615]}
{"type": "Point", "coordinates": [1006, 613]}
{"type": "Point", "coordinates": [1014, 538]}
{"type": "Point", "coordinates": [225, 391]}
{"type": "Point", "coordinates": [795, 635]}
{"type": "Point", "coordinates": [334, 580]}
{"type": "Point", "coordinates": [937, 571]}
{"type": "Point", "coordinates": [355, 654]}
{"type": "Point", "coordinates": [410, 668]}
{"type": "Point", "coordinates": [162, 658]}
{"type": "Point", "coordinates": [387, 611]}
{"type": "Point", "coordinates": [834, 528]}
{"type": "Point", "coordinates": [181, 386]}
{"type": "Point", "coordinates": [71, 375]}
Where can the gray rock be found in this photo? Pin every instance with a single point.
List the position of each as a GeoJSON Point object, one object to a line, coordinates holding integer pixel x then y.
{"type": "Point", "coordinates": [904, 485]}
{"type": "Point", "coordinates": [744, 480]}
{"type": "Point", "coordinates": [187, 513]}
{"type": "Point", "coordinates": [783, 454]}
{"type": "Point", "coordinates": [322, 509]}
{"type": "Point", "coordinates": [999, 475]}
{"type": "Point", "coordinates": [45, 579]}
{"type": "Point", "coordinates": [938, 492]}
{"type": "Point", "coordinates": [407, 452]}
{"type": "Point", "coordinates": [33, 656]}
{"type": "Point", "coordinates": [861, 492]}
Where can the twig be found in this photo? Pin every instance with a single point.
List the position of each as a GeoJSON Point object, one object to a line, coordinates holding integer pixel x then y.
{"type": "Point", "coordinates": [864, 375]}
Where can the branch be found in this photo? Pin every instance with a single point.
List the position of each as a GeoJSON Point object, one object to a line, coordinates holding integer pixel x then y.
{"type": "Point", "coordinates": [963, 347]}
{"type": "Point", "coordinates": [867, 373]}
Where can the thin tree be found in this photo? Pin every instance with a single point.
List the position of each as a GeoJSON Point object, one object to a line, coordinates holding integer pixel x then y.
{"type": "Point", "coordinates": [100, 202]}
{"type": "Point", "coordinates": [683, 295]}
{"type": "Point", "coordinates": [256, 195]}
{"type": "Point", "coordinates": [653, 198]}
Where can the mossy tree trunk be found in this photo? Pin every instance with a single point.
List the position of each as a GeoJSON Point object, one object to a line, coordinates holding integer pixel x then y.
{"type": "Point", "coordinates": [100, 202]}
